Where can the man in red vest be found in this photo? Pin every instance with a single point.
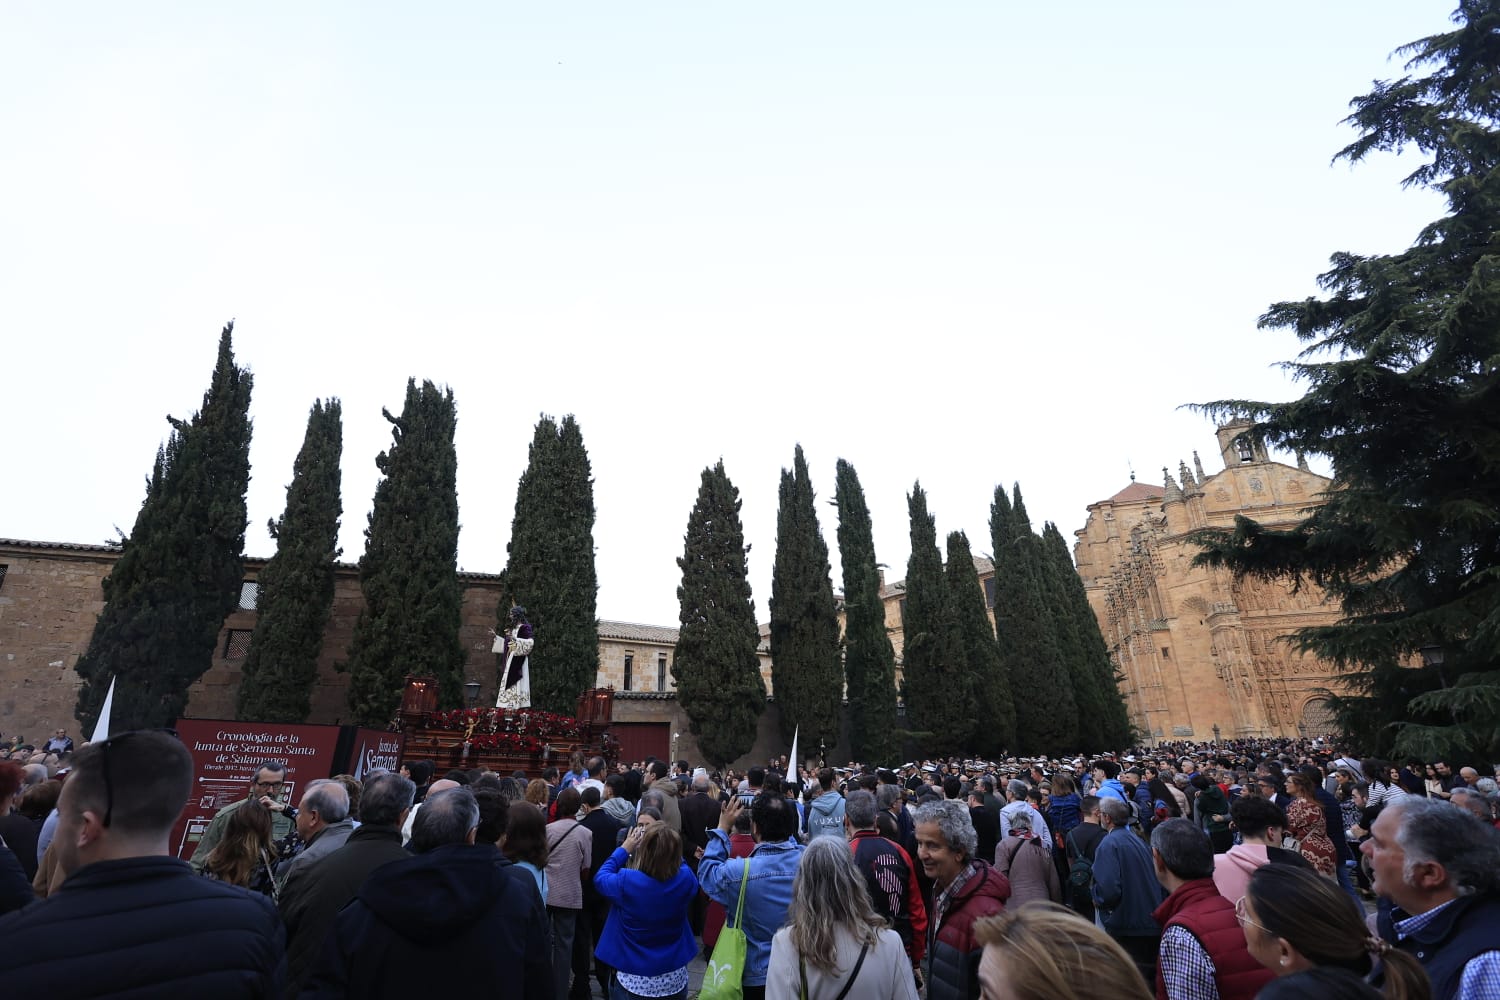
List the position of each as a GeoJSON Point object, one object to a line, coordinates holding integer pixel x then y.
{"type": "Point", "coordinates": [1203, 954]}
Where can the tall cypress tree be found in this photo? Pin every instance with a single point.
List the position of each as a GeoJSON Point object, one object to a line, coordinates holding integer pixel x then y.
{"type": "Point", "coordinates": [869, 659]}
{"type": "Point", "coordinates": [714, 664]}
{"type": "Point", "coordinates": [1103, 719]}
{"type": "Point", "coordinates": [296, 586]}
{"type": "Point", "coordinates": [179, 573]}
{"type": "Point", "coordinates": [409, 570]}
{"type": "Point", "coordinates": [806, 672]}
{"type": "Point", "coordinates": [550, 568]}
{"type": "Point", "coordinates": [976, 683]}
{"type": "Point", "coordinates": [924, 630]}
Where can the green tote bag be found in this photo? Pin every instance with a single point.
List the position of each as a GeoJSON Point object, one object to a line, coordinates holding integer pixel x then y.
{"type": "Point", "coordinates": [724, 977]}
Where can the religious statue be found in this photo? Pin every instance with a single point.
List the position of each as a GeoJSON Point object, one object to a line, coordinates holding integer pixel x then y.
{"type": "Point", "coordinates": [515, 677]}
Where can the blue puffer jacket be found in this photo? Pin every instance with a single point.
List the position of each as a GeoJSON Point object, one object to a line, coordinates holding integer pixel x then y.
{"type": "Point", "coordinates": [773, 866]}
{"type": "Point", "coordinates": [144, 927]}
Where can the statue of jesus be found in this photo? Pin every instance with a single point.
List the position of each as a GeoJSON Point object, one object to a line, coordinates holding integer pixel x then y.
{"type": "Point", "coordinates": [515, 645]}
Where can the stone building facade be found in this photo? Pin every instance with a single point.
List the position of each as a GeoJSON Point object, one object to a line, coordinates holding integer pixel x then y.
{"type": "Point", "coordinates": [1201, 654]}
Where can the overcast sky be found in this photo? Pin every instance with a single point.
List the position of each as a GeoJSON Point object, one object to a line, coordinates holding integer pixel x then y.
{"type": "Point", "coordinates": [966, 243]}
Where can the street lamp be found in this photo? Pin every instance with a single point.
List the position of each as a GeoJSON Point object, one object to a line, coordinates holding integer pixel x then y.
{"type": "Point", "coordinates": [471, 693]}
{"type": "Point", "coordinates": [1216, 734]}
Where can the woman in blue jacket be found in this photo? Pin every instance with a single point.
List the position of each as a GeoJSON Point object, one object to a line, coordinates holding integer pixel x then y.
{"type": "Point", "coordinates": [647, 939]}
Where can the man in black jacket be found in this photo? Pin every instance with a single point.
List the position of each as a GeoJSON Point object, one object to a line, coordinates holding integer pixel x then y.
{"type": "Point", "coordinates": [153, 927]}
{"type": "Point", "coordinates": [313, 895]}
{"type": "Point", "coordinates": [447, 921]}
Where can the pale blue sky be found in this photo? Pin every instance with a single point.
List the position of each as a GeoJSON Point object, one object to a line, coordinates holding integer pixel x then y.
{"type": "Point", "coordinates": [965, 242]}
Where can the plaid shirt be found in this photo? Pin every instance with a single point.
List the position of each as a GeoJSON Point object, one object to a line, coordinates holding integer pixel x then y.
{"type": "Point", "coordinates": [1185, 967]}
{"type": "Point", "coordinates": [941, 901]}
{"type": "Point", "coordinates": [1481, 979]}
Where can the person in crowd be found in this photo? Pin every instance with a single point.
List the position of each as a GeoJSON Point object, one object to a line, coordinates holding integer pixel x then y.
{"type": "Point", "coordinates": [1107, 784]}
{"type": "Point", "coordinates": [986, 823]}
{"type": "Point", "coordinates": [1044, 952]}
{"type": "Point", "coordinates": [1211, 807]}
{"type": "Point", "coordinates": [1017, 804]}
{"type": "Point", "coordinates": [834, 943]}
{"type": "Point", "coordinates": [1027, 865]}
{"type": "Point", "coordinates": [662, 783]}
{"type": "Point", "coordinates": [605, 831]}
{"type": "Point", "coordinates": [1432, 785]}
{"type": "Point", "coordinates": [1126, 891]}
{"type": "Point", "coordinates": [22, 829]}
{"type": "Point", "coordinates": [965, 890]}
{"type": "Point", "coordinates": [1261, 825]}
{"type": "Point", "coordinates": [323, 824]}
{"type": "Point", "coordinates": [772, 866]}
{"type": "Point", "coordinates": [1437, 869]}
{"type": "Point", "coordinates": [312, 896]}
{"type": "Point", "coordinates": [1063, 810]}
{"type": "Point", "coordinates": [1319, 984]}
{"type": "Point", "coordinates": [60, 742]}
{"type": "Point", "coordinates": [1202, 954]}
{"type": "Point", "coordinates": [647, 938]}
{"type": "Point", "coordinates": [570, 849]}
{"type": "Point", "coordinates": [1306, 821]}
{"type": "Point", "coordinates": [15, 887]}
{"type": "Point", "coordinates": [153, 928]}
{"type": "Point", "coordinates": [1132, 779]}
{"type": "Point", "coordinates": [1295, 919]}
{"type": "Point", "coordinates": [1472, 800]}
{"type": "Point", "coordinates": [525, 843]}
{"type": "Point", "coordinates": [440, 921]}
{"type": "Point", "coordinates": [539, 794]}
{"type": "Point", "coordinates": [825, 816]}
{"type": "Point", "coordinates": [1383, 789]}
{"type": "Point", "coordinates": [440, 785]}
{"type": "Point", "coordinates": [264, 791]}
{"type": "Point", "coordinates": [1161, 791]}
{"type": "Point", "coordinates": [891, 798]}
{"type": "Point", "coordinates": [620, 808]}
{"type": "Point", "coordinates": [245, 855]}
{"type": "Point", "coordinates": [741, 844]}
{"type": "Point", "coordinates": [1080, 845]}
{"type": "Point", "coordinates": [889, 874]}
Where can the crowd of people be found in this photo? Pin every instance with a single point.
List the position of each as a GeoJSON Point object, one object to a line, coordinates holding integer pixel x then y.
{"type": "Point", "coordinates": [1183, 871]}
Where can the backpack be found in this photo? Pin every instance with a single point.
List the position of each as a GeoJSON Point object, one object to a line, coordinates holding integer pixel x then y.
{"type": "Point", "coordinates": [1081, 870]}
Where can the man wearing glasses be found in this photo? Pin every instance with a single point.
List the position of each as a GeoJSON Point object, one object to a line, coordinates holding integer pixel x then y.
{"type": "Point", "coordinates": [132, 919]}
{"type": "Point", "coordinates": [264, 793]}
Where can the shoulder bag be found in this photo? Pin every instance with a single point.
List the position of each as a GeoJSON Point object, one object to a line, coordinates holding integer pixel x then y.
{"type": "Point", "coordinates": [724, 977]}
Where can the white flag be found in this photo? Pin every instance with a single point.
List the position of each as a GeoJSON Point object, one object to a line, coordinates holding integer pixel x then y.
{"type": "Point", "coordinates": [101, 728]}
{"type": "Point", "coordinates": [794, 766]}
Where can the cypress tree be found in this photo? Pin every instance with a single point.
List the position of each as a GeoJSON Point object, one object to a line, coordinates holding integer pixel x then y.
{"type": "Point", "coordinates": [1403, 401]}
{"type": "Point", "coordinates": [806, 672]}
{"type": "Point", "coordinates": [550, 566]}
{"type": "Point", "coordinates": [715, 664]}
{"type": "Point", "coordinates": [296, 586]}
{"type": "Point", "coordinates": [1103, 719]}
{"type": "Point", "coordinates": [409, 570]}
{"type": "Point", "coordinates": [1024, 631]}
{"type": "Point", "coordinates": [925, 633]}
{"type": "Point", "coordinates": [179, 572]}
{"type": "Point", "coordinates": [976, 683]}
{"type": "Point", "coordinates": [869, 659]}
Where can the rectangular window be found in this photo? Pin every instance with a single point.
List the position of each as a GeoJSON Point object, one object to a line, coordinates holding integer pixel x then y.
{"type": "Point", "coordinates": [249, 594]}
{"type": "Point", "coordinates": [1166, 654]}
{"type": "Point", "coordinates": [989, 592]}
{"type": "Point", "coordinates": [236, 643]}
{"type": "Point", "coordinates": [661, 671]}
{"type": "Point", "coordinates": [629, 664]}
{"type": "Point", "coordinates": [901, 609]}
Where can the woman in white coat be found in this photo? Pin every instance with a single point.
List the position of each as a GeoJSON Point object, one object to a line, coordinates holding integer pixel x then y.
{"type": "Point", "coordinates": [834, 946]}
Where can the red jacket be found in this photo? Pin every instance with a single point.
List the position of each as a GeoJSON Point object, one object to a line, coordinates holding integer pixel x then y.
{"type": "Point", "coordinates": [892, 881]}
{"type": "Point", "coordinates": [954, 966]}
{"type": "Point", "coordinates": [1210, 918]}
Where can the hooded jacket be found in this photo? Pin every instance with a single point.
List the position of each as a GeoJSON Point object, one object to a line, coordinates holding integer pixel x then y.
{"type": "Point", "coordinates": [440, 922]}
{"type": "Point", "coordinates": [825, 817]}
{"type": "Point", "coordinates": [1232, 870]}
{"type": "Point", "coordinates": [955, 954]}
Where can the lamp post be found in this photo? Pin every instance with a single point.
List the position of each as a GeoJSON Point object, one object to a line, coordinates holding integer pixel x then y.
{"type": "Point", "coordinates": [674, 748]}
{"type": "Point", "coordinates": [471, 693]}
{"type": "Point", "coordinates": [1216, 734]}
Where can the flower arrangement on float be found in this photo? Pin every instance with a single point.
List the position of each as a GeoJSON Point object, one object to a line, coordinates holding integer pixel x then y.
{"type": "Point", "coordinates": [532, 723]}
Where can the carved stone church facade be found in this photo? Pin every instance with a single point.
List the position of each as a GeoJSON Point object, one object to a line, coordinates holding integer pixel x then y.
{"type": "Point", "coordinates": [1202, 655]}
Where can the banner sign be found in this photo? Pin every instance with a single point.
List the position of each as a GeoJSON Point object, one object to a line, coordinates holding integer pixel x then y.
{"type": "Point", "coordinates": [226, 756]}
{"type": "Point", "coordinates": [375, 748]}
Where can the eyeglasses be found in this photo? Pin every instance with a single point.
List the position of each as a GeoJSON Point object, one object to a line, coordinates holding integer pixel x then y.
{"type": "Point", "coordinates": [270, 784]}
{"type": "Point", "coordinates": [1240, 915]}
{"type": "Point", "coordinates": [109, 785]}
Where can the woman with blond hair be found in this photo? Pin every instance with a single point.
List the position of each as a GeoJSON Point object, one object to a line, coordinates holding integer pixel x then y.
{"type": "Point", "coordinates": [647, 939]}
{"type": "Point", "coordinates": [833, 944]}
{"type": "Point", "coordinates": [1044, 951]}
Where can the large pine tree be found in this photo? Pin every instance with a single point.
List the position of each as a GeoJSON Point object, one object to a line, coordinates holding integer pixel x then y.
{"type": "Point", "coordinates": [1403, 402]}
{"type": "Point", "coordinates": [409, 570]}
{"type": "Point", "coordinates": [976, 678]}
{"type": "Point", "coordinates": [550, 567]}
{"type": "Point", "coordinates": [926, 643]}
{"type": "Point", "coordinates": [180, 570]}
{"type": "Point", "coordinates": [869, 659]}
{"type": "Point", "coordinates": [1023, 627]}
{"type": "Point", "coordinates": [1103, 720]}
{"type": "Point", "coordinates": [296, 586]}
{"type": "Point", "coordinates": [715, 664]}
{"type": "Point", "coordinates": [806, 673]}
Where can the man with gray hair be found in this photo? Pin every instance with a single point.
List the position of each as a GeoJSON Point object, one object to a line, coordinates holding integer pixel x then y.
{"type": "Point", "coordinates": [889, 874]}
{"type": "Point", "coordinates": [323, 824]}
{"type": "Point", "coordinates": [1125, 890]}
{"type": "Point", "coordinates": [965, 889]}
{"type": "Point", "coordinates": [1203, 955]}
{"type": "Point", "coordinates": [448, 919]}
{"type": "Point", "coordinates": [1015, 793]}
{"type": "Point", "coordinates": [1437, 870]}
{"type": "Point", "coordinates": [310, 901]}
